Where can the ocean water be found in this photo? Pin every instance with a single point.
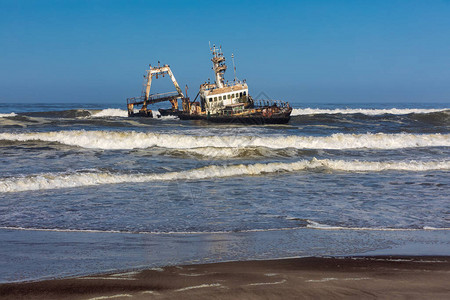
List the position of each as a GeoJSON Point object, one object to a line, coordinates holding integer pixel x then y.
{"type": "Point", "coordinates": [85, 189]}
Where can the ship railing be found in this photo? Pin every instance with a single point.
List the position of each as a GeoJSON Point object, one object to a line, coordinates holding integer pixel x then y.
{"type": "Point", "coordinates": [163, 95]}
{"type": "Point", "coordinates": [153, 98]}
{"type": "Point", "coordinates": [270, 102]}
{"type": "Point", "coordinates": [135, 100]}
{"type": "Point", "coordinates": [230, 113]}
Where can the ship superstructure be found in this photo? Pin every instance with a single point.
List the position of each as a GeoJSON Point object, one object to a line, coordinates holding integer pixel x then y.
{"type": "Point", "coordinates": [215, 97]}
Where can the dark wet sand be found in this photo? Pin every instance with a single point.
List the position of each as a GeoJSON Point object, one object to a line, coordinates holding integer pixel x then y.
{"type": "Point", "coordinates": [384, 277]}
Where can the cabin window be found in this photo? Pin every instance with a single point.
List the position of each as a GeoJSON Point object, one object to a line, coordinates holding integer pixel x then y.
{"type": "Point", "coordinates": [210, 99]}
{"type": "Point", "coordinates": [240, 95]}
{"type": "Point", "coordinates": [245, 93]}
{"type": "Point", "coordinates": [232, 96]}
{"type": "Point", "coordinates": [215, 98]}
{"type": "Point", "coordinates": [229, 96]}
{"type": "Point", "coordinates": [237, 95]}
{"type": "Point", "coordinates": [220, 98]}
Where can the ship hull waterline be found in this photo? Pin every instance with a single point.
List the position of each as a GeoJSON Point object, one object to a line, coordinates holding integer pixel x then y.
{"type": "Point", "coordinates": [251, 120]}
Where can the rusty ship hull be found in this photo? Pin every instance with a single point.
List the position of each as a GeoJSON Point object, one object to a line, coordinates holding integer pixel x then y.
{"type": "Point", "coordinates": [251, 119]}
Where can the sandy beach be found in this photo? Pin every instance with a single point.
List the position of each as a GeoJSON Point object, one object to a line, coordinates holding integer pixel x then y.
{"type": "Point", "coordinates": [393, 277]}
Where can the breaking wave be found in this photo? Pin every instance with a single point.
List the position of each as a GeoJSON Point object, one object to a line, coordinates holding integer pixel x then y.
{"type": "Point", "coordinates": [226, 153]}
{"type": "Point", "coordinates": [370, 112]}
{"type": "Point", "coordinates": [58, 180]}
{"type": "Point", "coordinates": [8, 115]}
{"type": "Point", "coordinates": [117, 112]}
{"type": "Point", "coordinates": [140, 140]}
{"type": "Point", "coordinates": [110, 112]}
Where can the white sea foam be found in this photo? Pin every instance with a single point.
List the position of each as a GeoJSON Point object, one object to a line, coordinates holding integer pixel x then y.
{"type": "Point", "coordinates": [316, 225]}
{"type": "Point", "coordinates": [116, 112]}
{"type": "Point", "coordinates": [322, 280]}
{"type": "Point", "coordinates": [111, 112]}
{"type": "Point", "coordinates": [155, 114]}
{"type": "Point", "coordinates": [106, 278]}
{"type": "Point", "coordinates": [166, 118]}
{"type": "Point", "coordinates": [58, 180]}
{"type": "Point", "coordinates": [141, 140]}
{"type": "Point", "coordinates": [147, 232]}
{"type": "Point", "coordinates": [212, 152]}
{"type": "Point", "coordinates": [371, 112]}
{"type": "Point", "coordinates": [111, 297]}
{"type": "Point", "coordinates": [8, 115]}
{"type": "Point", "coordinates": [322, 227]}
{"type": "Point", "coordinates": [267, 283]}
{"type": "Point", "coordinates": [332, 279]}
{"type": "Point", "coordinates": [199, 287]}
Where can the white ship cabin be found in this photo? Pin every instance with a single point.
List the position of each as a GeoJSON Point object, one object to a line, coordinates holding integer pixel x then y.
{"type": "Point", "coordinates": [216, 97]}
{"type": "Point", "coordinates": [215, 100]}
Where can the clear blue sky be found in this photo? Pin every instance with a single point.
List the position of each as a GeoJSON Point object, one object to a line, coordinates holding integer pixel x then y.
{"type": "Point", "coordinates": [302, 51]}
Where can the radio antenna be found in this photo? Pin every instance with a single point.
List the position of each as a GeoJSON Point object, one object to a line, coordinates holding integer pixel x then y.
{"type": "Point", "coordinates": [234, 67]}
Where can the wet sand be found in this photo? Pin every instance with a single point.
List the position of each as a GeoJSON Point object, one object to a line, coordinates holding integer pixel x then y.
{"type": "Point", "coordinates": [384, 277]}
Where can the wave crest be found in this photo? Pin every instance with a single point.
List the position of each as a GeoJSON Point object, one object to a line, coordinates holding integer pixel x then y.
{"type": "Point", "coordinates": [57, 180]}
{"type": "Point", "coordinates": [8, 115]}
{"type": "Point", "coordinates": [110, 112]}
{"type": "Point", "coordinates": [115, 140]}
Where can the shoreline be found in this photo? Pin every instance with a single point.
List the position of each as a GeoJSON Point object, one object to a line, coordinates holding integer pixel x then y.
{"type": "Point", "coordinates": [288, 278]}
{"type": "Point", "coordinates": [36, 256]}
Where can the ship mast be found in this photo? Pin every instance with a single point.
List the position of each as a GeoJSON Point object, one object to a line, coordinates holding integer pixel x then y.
{"type": "Point", "coordinates": [219, 65]}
